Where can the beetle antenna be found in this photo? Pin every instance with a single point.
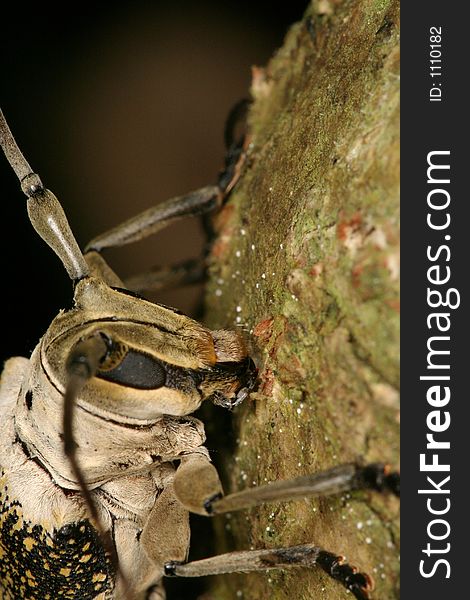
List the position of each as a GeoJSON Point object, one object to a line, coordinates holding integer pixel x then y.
{"type": "Point", "coordinates": [15, 157]}
{"type": "Point", "coordinates": [45, 212]}
{"type": "Point", "coordinates": [82, 364]}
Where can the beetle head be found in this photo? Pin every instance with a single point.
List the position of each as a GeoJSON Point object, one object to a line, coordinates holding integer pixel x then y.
{"type": "Point", "coordinates": [157, 360]}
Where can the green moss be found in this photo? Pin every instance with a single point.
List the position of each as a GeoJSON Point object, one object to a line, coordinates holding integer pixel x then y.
{"type": "Point", "coordinates": [307, 264]}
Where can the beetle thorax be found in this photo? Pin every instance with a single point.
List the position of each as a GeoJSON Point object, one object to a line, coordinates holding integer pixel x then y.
{"type": "Point", "coordinates": [107, 447]}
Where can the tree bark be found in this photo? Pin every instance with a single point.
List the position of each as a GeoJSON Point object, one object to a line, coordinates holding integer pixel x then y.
{"type": "Point", "coordinates": [306, 265]}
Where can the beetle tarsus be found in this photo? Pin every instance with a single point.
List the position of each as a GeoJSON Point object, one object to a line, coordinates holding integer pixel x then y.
{"type": "Point", "coordinates": [358, 583]}
{"type": "Point", "coordinates": [378, 477]}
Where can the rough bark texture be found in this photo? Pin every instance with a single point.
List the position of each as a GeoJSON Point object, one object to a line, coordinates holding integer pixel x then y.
{"type": "Point", "coordinates": [306, 264]}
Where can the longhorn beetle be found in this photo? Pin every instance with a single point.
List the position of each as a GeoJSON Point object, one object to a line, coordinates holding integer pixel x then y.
{"type": "Point", "coordinates": [101, 461]}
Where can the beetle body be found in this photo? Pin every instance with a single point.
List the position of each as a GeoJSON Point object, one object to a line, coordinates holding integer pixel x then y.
{"type": "Point", "coordinates": [131, 425]}
{"type": "Point", "coordinates": [50, 548]}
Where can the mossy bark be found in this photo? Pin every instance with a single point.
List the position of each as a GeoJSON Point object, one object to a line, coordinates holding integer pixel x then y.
{"type": "Point", "coordinates": [306, 264]}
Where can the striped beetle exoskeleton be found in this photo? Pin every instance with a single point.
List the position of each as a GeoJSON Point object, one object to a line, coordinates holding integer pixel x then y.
{"type": "Point", "coordinates": [100, 460]}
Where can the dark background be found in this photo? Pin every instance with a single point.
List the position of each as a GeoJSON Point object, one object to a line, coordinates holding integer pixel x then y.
{"type": "Point", "coordinates": [118, 107]}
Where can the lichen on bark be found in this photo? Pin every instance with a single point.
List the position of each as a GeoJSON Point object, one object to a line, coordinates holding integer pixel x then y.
{"type": "Point", "coordinates": [306, 265]}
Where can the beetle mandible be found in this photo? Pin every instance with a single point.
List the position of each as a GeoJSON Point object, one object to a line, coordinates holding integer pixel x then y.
{"type": "Point", "coordinates": [101, 461]}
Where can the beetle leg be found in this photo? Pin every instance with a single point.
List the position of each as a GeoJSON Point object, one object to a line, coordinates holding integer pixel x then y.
{"type": "Point", "coordinates": [183, 273]}
{"type": "Point", "coordinates": [342, 478]}
{"type": "Point", "coordinates": [196, 483]}
{"type": "Point", "coordinates": [236, 141]}
{"type": "Point", "coordinates": [306, 555]}
{"type": "Point", "coordinates": [156, 218]}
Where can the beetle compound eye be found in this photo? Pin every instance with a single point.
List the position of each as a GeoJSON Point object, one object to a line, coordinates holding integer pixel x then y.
{"type": "Point", "coordinates": [135, 369]}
